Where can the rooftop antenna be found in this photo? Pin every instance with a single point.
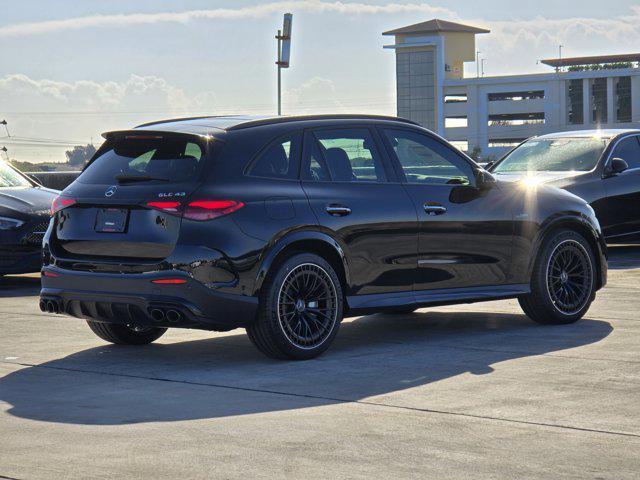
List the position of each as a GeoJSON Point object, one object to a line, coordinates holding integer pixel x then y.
{"type": "Point", "coordinates": [559, 67]}
{"type": "Point", "coordinates": [4, 150]}
{"type": "Point", "coordinates": [4, 122]}
{"type": "Point", "coordinates": [482, 66]}
{"type": "Point", "coordinates": [284, 53]}
{"type": "Point", "coordinates": [478, 64]}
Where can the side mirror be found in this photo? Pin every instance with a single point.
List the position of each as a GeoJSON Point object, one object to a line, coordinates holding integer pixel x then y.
{"type": "Point", "coordinates": [618, 165]}
{"type": "Point", "coordinates": [488, 165]}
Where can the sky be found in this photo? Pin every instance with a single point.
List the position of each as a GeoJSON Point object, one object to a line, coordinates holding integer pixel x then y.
{"type": "Point", "coordinates": [70, 70]}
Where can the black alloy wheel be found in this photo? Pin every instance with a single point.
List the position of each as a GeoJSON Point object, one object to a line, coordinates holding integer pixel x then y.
{"type": "Point", "coordinates": [307, 306]}
{"type": "Point", "coordinates": [301, 307]}
{"type": "Point", "coordinates": [563, 280]}
{"type": "Point", "coordinates": [569, 277]}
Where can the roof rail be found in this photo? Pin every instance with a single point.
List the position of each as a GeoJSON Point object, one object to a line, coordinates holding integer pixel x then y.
{"type": "Point", "coordinates": [297, 118]}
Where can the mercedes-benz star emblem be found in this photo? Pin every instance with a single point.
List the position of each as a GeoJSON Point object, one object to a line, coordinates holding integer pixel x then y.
{"type": "Point", "coordinates": [110, 191]}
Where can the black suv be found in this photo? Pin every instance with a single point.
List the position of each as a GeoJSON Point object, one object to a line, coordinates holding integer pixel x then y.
{"type": "Point", "coordinates": [285, 225]}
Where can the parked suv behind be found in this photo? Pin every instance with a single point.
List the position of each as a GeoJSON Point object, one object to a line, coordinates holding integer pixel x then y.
{"type": "Point", "coordinates": [285, 225]}
{"type": "Point", "coordinates": [600, 166]}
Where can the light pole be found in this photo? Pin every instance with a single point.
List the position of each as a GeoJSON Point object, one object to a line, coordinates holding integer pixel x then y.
{"type": "Point", "coordinates": [284, 53]}
{"type": "Point", "coordinates": [279, 64]}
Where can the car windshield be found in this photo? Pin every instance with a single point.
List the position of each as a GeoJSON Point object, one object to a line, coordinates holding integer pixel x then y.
{"type": "Point", "coordinates": [10, 178]}
{"type": "Point", "coordinates": [553, 155]}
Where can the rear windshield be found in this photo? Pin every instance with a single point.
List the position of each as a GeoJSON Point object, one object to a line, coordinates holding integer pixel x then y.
{"type": "Point", "coordinates": [133, 159]}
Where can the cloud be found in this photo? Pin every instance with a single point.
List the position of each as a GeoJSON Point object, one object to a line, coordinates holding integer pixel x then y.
{"type": "Point", "coordinates": [320, 95]}
{"type": "Point", "coordinates": [296, 100]}
{"type": "Point", "coordinates": [253, 11]}
{"type": "Point", "coordinates": [513, 46]}
{"type": "Point", "coordinates": [79, 111]}
{"type": "Point", "coordinates": [137, 93]}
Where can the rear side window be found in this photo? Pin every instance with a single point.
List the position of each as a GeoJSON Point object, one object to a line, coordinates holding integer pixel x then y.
{"type": "Point", "coordinates": [149, 159]}
{"type": "Point", "coordinates": [279, 159]}
{"type": "Point", "coordinates": [344, 155]}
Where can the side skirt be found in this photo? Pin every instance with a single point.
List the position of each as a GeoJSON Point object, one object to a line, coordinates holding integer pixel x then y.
{"type": "Point", "coordinates": [444, 296]}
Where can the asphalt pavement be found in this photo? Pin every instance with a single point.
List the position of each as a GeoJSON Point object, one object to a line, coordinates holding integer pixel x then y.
{"type": "Point", "coordinates": [473, 391]}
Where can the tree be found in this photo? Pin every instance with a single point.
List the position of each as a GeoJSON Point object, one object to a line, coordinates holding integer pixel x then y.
{"type": "Point", "coordinates": [476, 153]}
{"type": "Point", "coordinates": [79, 155]}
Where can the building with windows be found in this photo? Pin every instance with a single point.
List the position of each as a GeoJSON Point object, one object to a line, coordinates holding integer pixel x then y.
{"type": "Point", "coordinates": [496, 113]}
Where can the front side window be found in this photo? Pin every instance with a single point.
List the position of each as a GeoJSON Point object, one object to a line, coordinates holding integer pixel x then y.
{"type": "Point", "coordinates": [133, 158]}
{"type": "Point", "coordinates": [279, 159]}
{"type": "Point", "coordinates": [553, 155]}
{"type": "Point", "coordinates": [10, 178]}
{"type": "Point", "coordinates": [344, 155]}
{"type": "Point", "coordinates": [426, 161]}
{"type": "Point", "coordinates": [629, 150]}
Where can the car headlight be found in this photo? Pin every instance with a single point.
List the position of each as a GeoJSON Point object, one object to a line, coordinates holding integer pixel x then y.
{"type": "Point", "coordinates": [9, 223]}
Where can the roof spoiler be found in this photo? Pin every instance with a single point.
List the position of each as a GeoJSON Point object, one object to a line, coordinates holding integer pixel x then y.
{"type": "Point", "coordinates": [145, 134]}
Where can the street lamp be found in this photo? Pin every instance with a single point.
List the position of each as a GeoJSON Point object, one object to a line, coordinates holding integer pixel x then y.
{"type": "Point", "coordinates": [284, 53]}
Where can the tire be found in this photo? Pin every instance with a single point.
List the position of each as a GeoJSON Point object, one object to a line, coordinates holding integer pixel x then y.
{"type": "Point", "coordinates": [123, 335]}
{"type": "Point", "coordinates": [300, 309]}
{"type": "Point", "coordinates": [563, 280]}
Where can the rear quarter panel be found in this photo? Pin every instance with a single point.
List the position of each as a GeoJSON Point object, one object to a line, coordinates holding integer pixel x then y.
{"type": "Point", "coordinates": [272, 207]}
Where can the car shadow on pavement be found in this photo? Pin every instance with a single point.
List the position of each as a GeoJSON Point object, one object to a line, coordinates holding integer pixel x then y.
{"type": "Point", "coordinates": [373, 355]}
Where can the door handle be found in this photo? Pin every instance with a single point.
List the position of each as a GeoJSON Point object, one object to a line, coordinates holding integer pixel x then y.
{"type": "Point", "coordinates": [433, 208]}
{"type": "Point", "coordinates": [338, 210]}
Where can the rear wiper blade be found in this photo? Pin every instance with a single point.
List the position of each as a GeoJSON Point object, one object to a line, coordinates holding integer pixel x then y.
{"type": "Point", "coordinates": [139, 178]}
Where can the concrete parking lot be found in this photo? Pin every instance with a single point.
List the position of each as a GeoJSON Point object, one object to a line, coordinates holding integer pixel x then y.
{"type": "Point", "coordinates": [474, 391]}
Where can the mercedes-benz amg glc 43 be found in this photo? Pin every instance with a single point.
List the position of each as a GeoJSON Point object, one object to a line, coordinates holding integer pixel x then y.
{"type": "Point", "coordinates": [283, 226]}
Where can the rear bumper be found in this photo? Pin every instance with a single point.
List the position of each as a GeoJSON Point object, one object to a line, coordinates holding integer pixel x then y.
{"type": "Point", "coordinates": [133, 299]}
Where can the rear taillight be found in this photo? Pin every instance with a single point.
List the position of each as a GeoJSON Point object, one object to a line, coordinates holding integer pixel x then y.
{"type": "Point", "coordinates": [61, 202]}
{"type": "Point", "coordinates": [198, 209]}
{"type": "Point", "coordinates": [210, 209]}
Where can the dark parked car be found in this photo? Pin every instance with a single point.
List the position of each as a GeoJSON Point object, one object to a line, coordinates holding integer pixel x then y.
{"type": "Point", "coordinates": [24, 218]}
{"type": "Point", "coordinates": [285, 225]}
{"type": "Point", "coordinates": [600, 166]}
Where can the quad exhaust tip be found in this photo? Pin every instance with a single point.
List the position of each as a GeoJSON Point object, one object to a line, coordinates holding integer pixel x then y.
{"type": "Point", "coordinates": [49, 306]}
{"type": "Point", "coordinates": [162, 314]}
{"type": "Point", "coordinates": [157, 314]}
